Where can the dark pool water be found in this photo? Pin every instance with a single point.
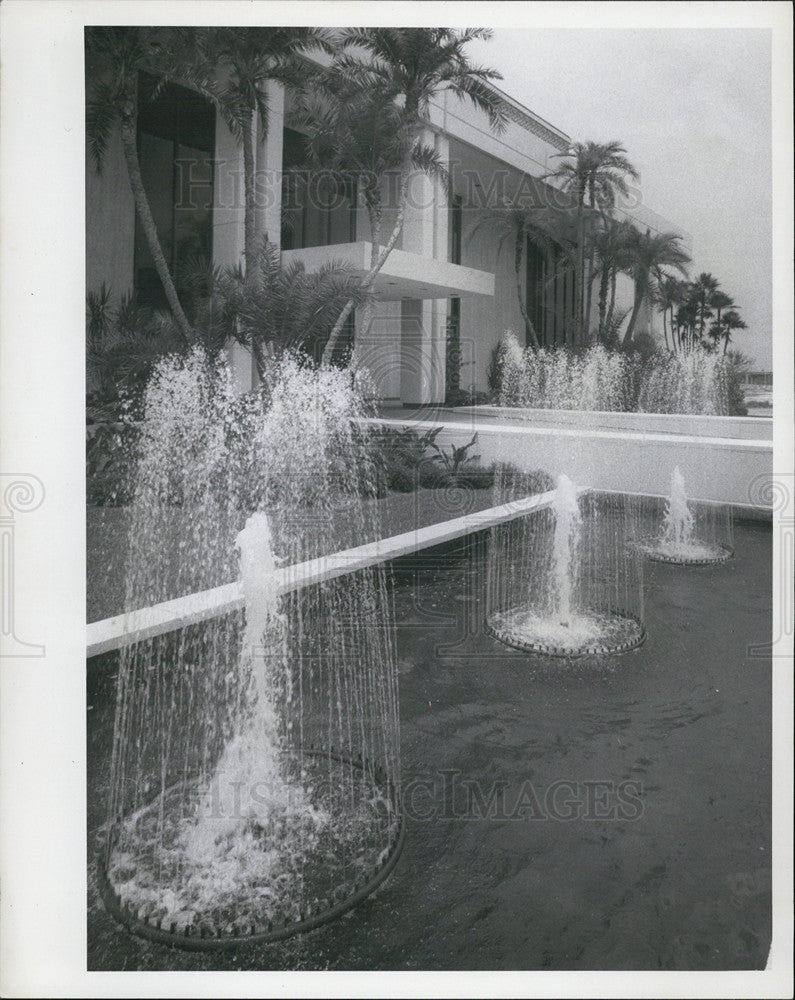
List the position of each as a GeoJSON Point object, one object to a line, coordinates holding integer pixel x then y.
{"type": "Point", "coordinates": [645, 781]}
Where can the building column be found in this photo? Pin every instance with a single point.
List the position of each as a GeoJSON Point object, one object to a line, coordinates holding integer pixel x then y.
{"type": "Point", "coordinates": [269, 168]}
{"type": "Point", "coordinates": [423, 325]}
{"type": "Point", "coordinates": [230, 206]}
{"type": "Point", "coordinates": [228, 230]}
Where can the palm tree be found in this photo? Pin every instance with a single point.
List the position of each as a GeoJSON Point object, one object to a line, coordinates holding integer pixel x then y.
{"type": "Point", "coordinates": [670, 295]}
{"type": "Point", "coordinates": [121, 54]}
{"type": "Point", "coordinates": [611, 246]}
{"type": "Point", "coordinates": [123, 342]}
{"type": "Point", "coordinates": [410, 66]}
{"type": "Point", "coordinates": [595, 173]}
{"type": "Point", "coordinates": [272, 307]}
{"type": "Point", "coordinates": [704, 287]}
{"type": "Point", "coordinates": [649, 254]}
{"type": "Point", "coordinates": [418, 63]}
{"type": "Point", "coordinates": [356, 137]}
{"type": "Point", "coordinates": [719, 301]}
{"type": "Point", "coordinates": [545, 227]}
{"type": "Point", "coordinates": [730, 322]}
{"type": "Point", "coordinates": [234, 66]}
{"type": "Point", "coordinates": [687, 316]}
{"type": "Point", "coordinates": [288, 307]}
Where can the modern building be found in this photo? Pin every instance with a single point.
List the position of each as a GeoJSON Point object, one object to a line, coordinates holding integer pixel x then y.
{"type": "Point", "coordinates": [447, 291]}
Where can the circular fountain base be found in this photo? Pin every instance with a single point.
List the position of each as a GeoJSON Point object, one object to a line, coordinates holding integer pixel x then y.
{"type": "Point", "coordinates": [588, 634]}
{"type": "Point", "coordinates": [692, 554]}
{"type": "Point", "coordinates": [299, 892]}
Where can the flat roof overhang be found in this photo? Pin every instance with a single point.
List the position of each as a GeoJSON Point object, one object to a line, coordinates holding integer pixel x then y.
{"type": "Point", "coordinates": [404, 275]}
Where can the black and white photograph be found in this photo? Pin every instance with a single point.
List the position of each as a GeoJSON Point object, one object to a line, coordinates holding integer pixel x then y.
{"type": "Point", "coordinates": [398, 504]}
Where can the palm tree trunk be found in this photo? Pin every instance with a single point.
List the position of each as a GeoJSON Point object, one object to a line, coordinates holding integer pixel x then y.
{"type": "Point", "coordinates": [368, 309]}
{"type": "Point", "coordinates": [250, 219]}
{"type": "Point", "coordinates": [640, 294]}
{"type": "Point", "coordinates": [369, 278]}
{"type": "Point", "coordinates": [665, 328]}
{"type": "Point", "coordinates": [604, 283]}
{"type": "Point", "coordinates": [375, 235]}
{"type": "Point", "coordinates": [530, 330]}
{"type": "Point", "coordinates": [130, 146]}
{"type": "Point", "coordinates": [579, 269]}
{"type": "Point", "coordinates": [591, 275]}
{"type": "Point", "coordinates": [612, 306]}
{"type": "Point", "coordinates": [589, 281]}
{"type": "Point", "coordinates": [701, 316]}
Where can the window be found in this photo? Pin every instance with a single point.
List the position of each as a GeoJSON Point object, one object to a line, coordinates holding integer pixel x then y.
{"type": "Point", "coordinates": [176, 144]}
{"type": "Point", "coordinates": [536, 294]}
{"type": "Point", "coordinates": [453, 352]}
{"type": "Point", "coordinates": [318, 207]}
{"type": "Point", "coordinates": [550, 291]}
{"type": "Point", "coordinates": [456, 228]}
{"type": "Point", "coordinates": [453, 338]}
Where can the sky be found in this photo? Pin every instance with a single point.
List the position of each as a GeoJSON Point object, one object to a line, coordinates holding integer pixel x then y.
{"type": "Point", "coordinates": [693, 109]}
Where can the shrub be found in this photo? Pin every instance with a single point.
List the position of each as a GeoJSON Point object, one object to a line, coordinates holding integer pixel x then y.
{"type": "Point", "coordinates": [468, 397]}
{"type": "Point", "coordinates": [408, 459]}
{"type": "Point", "coordinates": [401, 456]}
{"type": "Point", "coordinates": [511, 483]}
{"type": "Point", "coordinates": [110, 437]}
{"type": "Point", "coordinates": [735, 364]}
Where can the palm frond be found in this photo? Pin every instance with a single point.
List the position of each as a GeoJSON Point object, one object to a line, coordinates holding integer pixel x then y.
{"type": "Point", "coordinates": [101, 119]}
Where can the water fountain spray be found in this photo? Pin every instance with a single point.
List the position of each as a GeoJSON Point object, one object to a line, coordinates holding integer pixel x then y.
{"type": "Point", "coordinates": [562, 581]}
{"type": "Point", "coordinates": [255, 772]}
{"type": "Point", "coordinates": [695, 534]}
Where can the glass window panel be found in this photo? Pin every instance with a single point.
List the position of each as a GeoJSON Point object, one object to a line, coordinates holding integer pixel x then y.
{"type": "Point", "coordinates": [315, 220]}
{"type": "Point", "coordinates": [156, 159]}
{"type": "Point", "coordinates": [193, 205]}
{"type": "Point", "coordinates": [341, 216]}
{"type": "Point", "coordinates": [176, 147]}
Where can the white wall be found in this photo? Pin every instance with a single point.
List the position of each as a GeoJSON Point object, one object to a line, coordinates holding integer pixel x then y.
{"type": "Point", "coordinates": [726, 470]}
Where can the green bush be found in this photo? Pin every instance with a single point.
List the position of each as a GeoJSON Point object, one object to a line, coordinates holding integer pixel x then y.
{"type": "Point", "coordinates": [402, 459]}
{"type": "Point", "coordinates": [510, 482]}
{"type": "Point", "coordinates": [110, 438]}
{"type": "Point", "coordinates": [736, 363]}
{"type": "Point", "coordinates": [408, 459]}
{"type": "Point", "coordinates": [468, 397]}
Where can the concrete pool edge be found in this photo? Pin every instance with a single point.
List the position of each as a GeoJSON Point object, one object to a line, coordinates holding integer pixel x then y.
{"type": "Point", "coordinates": [722, 469]}
{"type": "Point", "coordinates": [111, 633]}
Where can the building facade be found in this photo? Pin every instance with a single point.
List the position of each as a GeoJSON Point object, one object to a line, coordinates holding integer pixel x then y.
{"type": "Point", "coordinates": [448, 290]}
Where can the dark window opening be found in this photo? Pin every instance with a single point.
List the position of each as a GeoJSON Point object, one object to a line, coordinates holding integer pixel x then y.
{"type": "Point", "coordinates": [453, 358]}
{"type": "Point", "coordinates": [536, 299]}
{"type": "Point", "coordinates": [456, 228]}
{"type": "Point", "coordinates": [318, 207]}
{"type": "Point", "coordinates": [176, 145]}
{"type": "Point", "coordinates": [343, 349]}
{"type": "Point", "coordinates": [549, 284]}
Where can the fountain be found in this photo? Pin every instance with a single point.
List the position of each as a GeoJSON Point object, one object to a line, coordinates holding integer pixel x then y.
{"type": "Point", "coordinates": [694, 534]}
{"type": "Point", "coordinates": [562, 582]}
{"type": "Point", "coordinates": [255, 771]}
{"type": "Point", "coordinates": [690, 381]}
